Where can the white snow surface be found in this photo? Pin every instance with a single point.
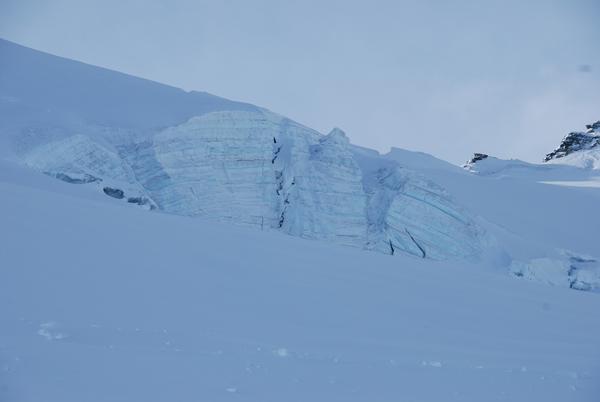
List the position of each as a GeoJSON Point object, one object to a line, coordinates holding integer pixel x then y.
{"type": "Point", "coordinates": [588, 159]}
{"type": "Point", "coordinates": [104, 302]}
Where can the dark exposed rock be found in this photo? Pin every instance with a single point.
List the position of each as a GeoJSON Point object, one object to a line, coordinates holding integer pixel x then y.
{"type": "Point", "coordinates": [137, 200]}
{"type": "Point", "coordinates": [80, 179]}
{"type": "Point", "coordinates": [141, 201]}
{"type": "Point", "coordinates": [478, 157]}
{"type": "Point", "coordinates": [577, 141]}
{"type": "Point", "coordinates": [593, 127]}
{"type": "Point", "coordinates": [114, 192]}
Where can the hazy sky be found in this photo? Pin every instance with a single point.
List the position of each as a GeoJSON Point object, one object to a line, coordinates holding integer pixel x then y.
{"type": "Point", "coordinates": [450, 78]}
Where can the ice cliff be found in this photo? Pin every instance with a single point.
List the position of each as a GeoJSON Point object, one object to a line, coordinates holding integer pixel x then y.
{"type": "Point", "coordinates": [258, 168]}
{"type": "Point", "coordinates": [195, 154]}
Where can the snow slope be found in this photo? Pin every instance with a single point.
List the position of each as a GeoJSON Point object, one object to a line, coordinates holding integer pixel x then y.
{"type": "Point", "coordinates": [46, 92]}
{"type": "Point", "coordinates": [101, 301]}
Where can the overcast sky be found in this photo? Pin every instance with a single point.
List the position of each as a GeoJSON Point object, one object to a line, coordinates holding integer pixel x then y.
{"type": "Point", "coordinates": [450, 78]}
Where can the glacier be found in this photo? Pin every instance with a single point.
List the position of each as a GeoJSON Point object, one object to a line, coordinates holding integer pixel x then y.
{"type": "Point", "coordinates": [193, 154]}
{"type": "Point", "coordinates": [261, 169]}
{"type": "Point", "coordinates": [205, 299]}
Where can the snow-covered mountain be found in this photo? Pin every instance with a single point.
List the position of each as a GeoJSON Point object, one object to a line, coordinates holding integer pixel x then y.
{"type": "Point", "coordinates": [578, 149]}
{"type": "Point", "coordinates": [577, 157]}
{"type": "Point", "coordinates": [581, 149]}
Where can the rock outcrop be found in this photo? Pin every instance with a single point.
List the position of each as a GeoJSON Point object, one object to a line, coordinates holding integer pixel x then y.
{"type": "Point", "coordinates": [581, 149]}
